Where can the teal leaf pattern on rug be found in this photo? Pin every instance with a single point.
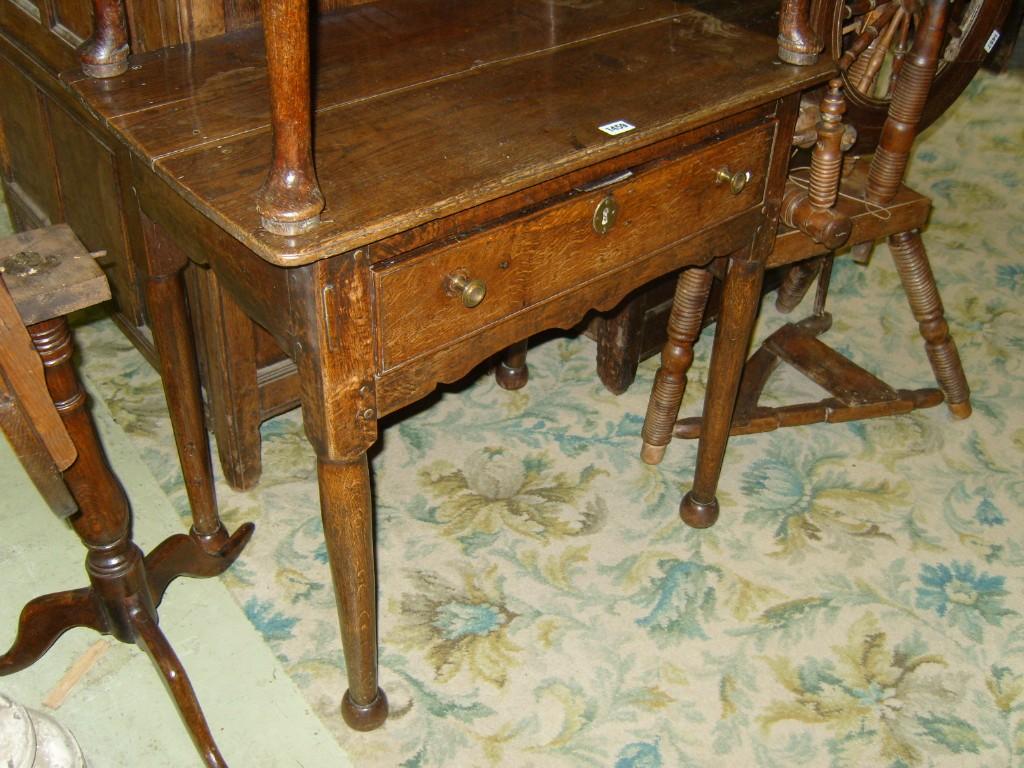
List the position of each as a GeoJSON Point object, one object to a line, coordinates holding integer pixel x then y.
{"type": "Point", "coordinates": [541, 605]}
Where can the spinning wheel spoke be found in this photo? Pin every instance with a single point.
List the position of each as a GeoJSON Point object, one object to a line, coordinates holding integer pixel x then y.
{"type": "Point", "coordinates": [870, 39]}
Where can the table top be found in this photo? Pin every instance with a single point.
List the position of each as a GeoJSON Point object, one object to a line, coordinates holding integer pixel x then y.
{"type": "Point", "coordinates": [424, 108]}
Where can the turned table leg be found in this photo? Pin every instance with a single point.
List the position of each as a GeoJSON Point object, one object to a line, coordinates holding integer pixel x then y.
{"type": "Point", "coordinates": [740, 299]}
{"type": "Point", "coordinates": [290, 201]}
{"type": "Point", "coordinates": [179, 372]}
{"type": "Point", "coordinates": [513, 372]}
{"type": "Point", "coordinates": [105, 53]}
{"type": "Point", "coordinates": [347, 511]}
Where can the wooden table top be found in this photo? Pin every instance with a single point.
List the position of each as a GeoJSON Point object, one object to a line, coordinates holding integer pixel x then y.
{"type": "Point", "coordinates": [427, 107]}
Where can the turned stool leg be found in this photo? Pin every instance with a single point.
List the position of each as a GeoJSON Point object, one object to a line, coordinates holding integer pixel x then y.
{"type": "Point", "coordinates": [348, 530]}
{"type": "Point", "coordinates": [123, 597]}
{"type": "Point", "coordinates": [513, 372]}
{"type": "Point", "coordinates": [684, 325]}
{"type": "Point", "coordinates": [919, 284]}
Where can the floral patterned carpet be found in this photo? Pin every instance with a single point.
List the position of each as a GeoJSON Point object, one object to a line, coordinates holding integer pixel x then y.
{"type": "Point", "coordinates": [858, 604]}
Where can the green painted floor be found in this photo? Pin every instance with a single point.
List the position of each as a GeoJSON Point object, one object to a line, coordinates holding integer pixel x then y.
{"type": "Point", "coordinates": [119, 711]}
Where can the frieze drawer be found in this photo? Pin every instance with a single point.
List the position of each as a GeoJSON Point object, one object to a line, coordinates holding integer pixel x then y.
{"type": "Point", "coordinates": [460, 288]}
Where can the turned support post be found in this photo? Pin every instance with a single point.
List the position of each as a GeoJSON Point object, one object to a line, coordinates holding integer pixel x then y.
{"type": "Point", "coordinates": [812, 210]}
{"type": "Point", "coordinates": [884, 178]}
{"type": "Point", "coordinates": [290, 201]}
{"type": "Point", "coordinates": [105, 53]}
{"type": "Point", "coordinates": [114, 562]}
{"type": "Point", "coordinates": [908, 100]}
{"type": "Point", "coordinates": [798, 42]}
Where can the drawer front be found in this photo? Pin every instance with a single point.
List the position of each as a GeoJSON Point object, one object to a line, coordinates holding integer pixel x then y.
{"type": "Point", "coordinates": [422, 307]}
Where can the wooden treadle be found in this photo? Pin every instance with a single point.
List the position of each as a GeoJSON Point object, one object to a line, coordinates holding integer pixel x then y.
{"type": "Point", "coordinates": [847, 381]}
{"type": "Point", "coordinates": [856, 393]}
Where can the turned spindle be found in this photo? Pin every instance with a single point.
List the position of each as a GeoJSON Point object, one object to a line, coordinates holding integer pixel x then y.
{"type": "Point", "coordinates": [868, 35]}
{"type": "Point", "coordinates": [909, 96]}
{"type": "Point", "coordinates": [684, 326]}
{"type": "Point", "coordinates": [105, 53]}
{"type": "Point", "coordinates": [290, 201]}
{"type": "Point", "coordinates": [798, 43]}
{"type": "Point", "coordinates": [812, 210]}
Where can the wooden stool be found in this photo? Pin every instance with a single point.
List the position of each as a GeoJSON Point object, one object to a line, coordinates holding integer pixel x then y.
{"type": "Point", "coordinates": [821, 216]}
{"type": "Point", "coordinates": [49, 274]}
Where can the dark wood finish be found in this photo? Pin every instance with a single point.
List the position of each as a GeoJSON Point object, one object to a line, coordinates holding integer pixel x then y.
{"type": "Point", "coordinates": [867, 112]}
{"type": "Point", "coordinates": [440, 165]}
{"type": "Point", "coordinates": [795, 285]}
{"type": "Point", "coordinates": [741, 296]}
{"type": "Point", "coordinates": [798, 42]}
{"type": "Point", "coordinates": [869, 102]}
{"type": "Point", "coordinates": [857, 393]}
{"type": "Point", "coordinates": [512, 372]}
{"type": "Point", "coordinates": [125, 588]}
{"type": "Point", "coordinates": [426, 174]}
{"type": "Point", "coordinates": [731, 403]}
{"type": "Point", "coordinates": [905, 112]}
{"type": "Point", "coordinates": [812, 209]}
{"type": "Point", "coordinates": [105, 53]}
{"type": "Point", "coordinates": [547, 252]}
{"type": "Point", "coordinates": [179, 372]}
{"type": "Point", "coordinates": [290, 201]}
{"type": "Point", "coordinates": [230, 365]}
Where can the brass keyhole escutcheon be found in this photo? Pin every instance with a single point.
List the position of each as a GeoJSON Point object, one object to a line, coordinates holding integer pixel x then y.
{"type": "Point", "coordinates": [605, 214]}
{"type": "Point", "coordinates": [459, 284]}
{"type": "Point", "coordinates": [737, 181]}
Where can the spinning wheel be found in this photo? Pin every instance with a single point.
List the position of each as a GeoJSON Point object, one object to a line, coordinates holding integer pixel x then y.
{"type": "Point", "coordinates": [870, 38]}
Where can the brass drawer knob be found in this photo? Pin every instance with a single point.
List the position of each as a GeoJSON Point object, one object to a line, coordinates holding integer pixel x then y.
{"type": "Point", "coordinates": [605, 214]}
{"type": "Point", "coordinates": [736, 181]}
{"type": "Point", "coordinates": [472, 292]}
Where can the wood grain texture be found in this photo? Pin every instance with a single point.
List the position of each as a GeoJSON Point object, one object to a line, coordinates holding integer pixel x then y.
{"type": "Point", "coordinates": [381, 168]}
{"type": "Point", "coordinates": [23, 373]}
{"type": "Point", "coordinates": [549, 251]}
{"type": "Point", "coordinates": [66, 279]}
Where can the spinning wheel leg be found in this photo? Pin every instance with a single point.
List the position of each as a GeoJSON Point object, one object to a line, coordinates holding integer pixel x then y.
{"type": "Point", "coordinates": [684, 325]}
{"type": "Point", "coordinates": [795, 284]}
{"type": "Point", "coordinates": [151, 640]}
{"type": "Point", "coordinates": [43, 620]}
{"type": "Point", "coordinates": [919, 284]}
